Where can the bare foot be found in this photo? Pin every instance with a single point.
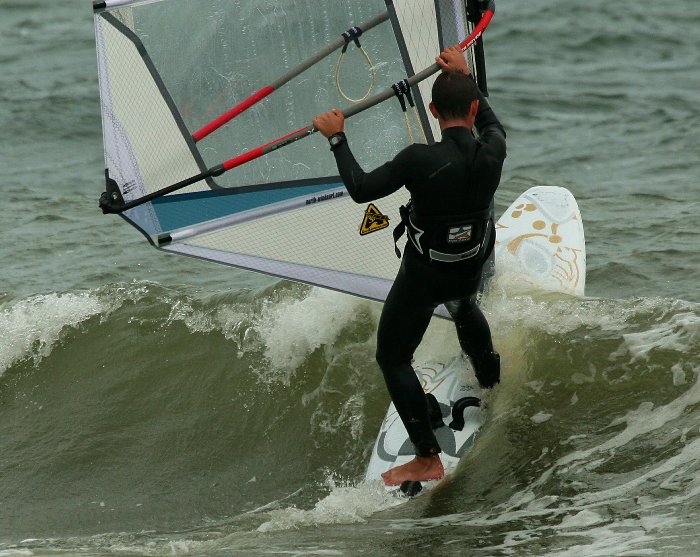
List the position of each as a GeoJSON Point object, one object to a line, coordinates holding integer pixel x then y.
{"type": "Point", "coordinates": [421, 468]}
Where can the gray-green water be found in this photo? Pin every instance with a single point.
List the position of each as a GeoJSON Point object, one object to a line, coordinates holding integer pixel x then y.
{"type": "Point", "coordinates": [240, 418]}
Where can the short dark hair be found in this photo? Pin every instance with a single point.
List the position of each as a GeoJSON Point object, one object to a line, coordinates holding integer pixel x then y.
{"type": "Point", "coordinates": [453, 93]}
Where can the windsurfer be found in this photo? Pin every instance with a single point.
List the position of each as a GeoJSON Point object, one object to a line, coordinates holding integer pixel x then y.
{"type": "Point", "coordinates": [451, 235]}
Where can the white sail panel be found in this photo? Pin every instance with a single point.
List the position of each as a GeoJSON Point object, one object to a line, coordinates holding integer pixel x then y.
{"type": "Point", "coordinates": [144, 144]}
{"type": "Point", "coordinates": [320, 244]}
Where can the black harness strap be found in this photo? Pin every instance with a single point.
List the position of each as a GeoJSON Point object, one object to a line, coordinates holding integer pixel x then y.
{"type": "Point", "coordinates": [400, 229]}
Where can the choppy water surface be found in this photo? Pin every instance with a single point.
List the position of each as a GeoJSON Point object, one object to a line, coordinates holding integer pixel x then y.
{"type": "Point", "coordinates": [156, 405]}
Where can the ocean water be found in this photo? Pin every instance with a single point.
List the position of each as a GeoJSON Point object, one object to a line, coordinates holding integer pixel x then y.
{"type": "Point", "coordinates": [155, 405]}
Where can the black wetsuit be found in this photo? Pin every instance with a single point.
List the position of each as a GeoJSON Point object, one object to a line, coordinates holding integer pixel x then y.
{"type": "Point", "coordinates": [455, 177]}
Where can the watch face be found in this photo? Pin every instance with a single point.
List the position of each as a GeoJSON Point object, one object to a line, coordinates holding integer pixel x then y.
{"type": "Point", "coordinates": [335, 139]}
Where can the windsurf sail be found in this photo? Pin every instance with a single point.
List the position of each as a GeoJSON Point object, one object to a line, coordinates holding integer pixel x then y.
{"type": "Point", "coordinates": [351, 35]}
{"type": "Point", "coordinates": [166, 67]}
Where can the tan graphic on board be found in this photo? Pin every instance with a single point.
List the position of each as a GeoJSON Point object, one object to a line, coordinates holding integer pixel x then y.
{"type": "Point", "coordinates": [567, 270]}
{"type": "Point", "coordinates": [553, 238]}
{"type": "Point", "coordinates": [530, 207]}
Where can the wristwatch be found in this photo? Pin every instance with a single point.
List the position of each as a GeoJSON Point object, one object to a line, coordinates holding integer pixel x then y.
{"type": "Point", "coordinates": [336, 139]}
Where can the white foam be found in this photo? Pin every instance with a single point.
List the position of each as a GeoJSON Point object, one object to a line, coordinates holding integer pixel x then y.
{"type": "Point", "coordinates": [293, 329]}
{"type": "Point", "coordinates": [511, 304]}
{"type": "Point", "coordinates": [285, 330]}
{"type": "Point", "coordinates": [677, 333]}
{"type": "Point", "coordinates": [345, 504]}
{"type": "Point", "coordinates": [584, 514]}
{"type": "Point", "coordinates": [31, 327]}
{"type": "Point", "coordinates": [582, 519]}
{"type": "Point", "coordinates": [644, 420]}
{"type": "Point", "coordinates": [540, 418]}
{"type": "Point", "coordinates": [604, 536]}
{"type": "Point", "coordinates": [236, 321]}
{"type": "Point", "coordinates": [554, 315]}
{"type": "Point", "coordinates": [678, 375]}
{"type": "Point", "coordinates": [629, 537]}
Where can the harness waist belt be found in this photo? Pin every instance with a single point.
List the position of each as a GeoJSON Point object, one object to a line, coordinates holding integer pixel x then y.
{"type": "Point", "coordinates": [454, 257]}
{"type": "Point", "coordinates": [415, 232]}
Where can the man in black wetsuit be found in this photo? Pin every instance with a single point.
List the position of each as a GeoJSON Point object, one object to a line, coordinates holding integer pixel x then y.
{"type": "Point", "coordinates": [451, 234]}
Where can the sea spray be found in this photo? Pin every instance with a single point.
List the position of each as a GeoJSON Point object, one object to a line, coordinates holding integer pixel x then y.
{"type": "Point", "coordinates": [31, 327]}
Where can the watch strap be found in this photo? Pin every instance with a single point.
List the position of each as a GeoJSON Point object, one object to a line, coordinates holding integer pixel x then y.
{"type": "Point", "coordinates": [336, 139]}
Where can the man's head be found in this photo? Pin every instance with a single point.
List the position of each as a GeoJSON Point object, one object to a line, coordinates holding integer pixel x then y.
{"type": "Point", "coordinates": [455, 97]}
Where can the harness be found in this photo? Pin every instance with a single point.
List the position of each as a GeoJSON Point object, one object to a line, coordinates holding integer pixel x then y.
{"type": "Point", "coordinates": [467, 236]}
{"type": "Point", "coordinates": [448, 239]}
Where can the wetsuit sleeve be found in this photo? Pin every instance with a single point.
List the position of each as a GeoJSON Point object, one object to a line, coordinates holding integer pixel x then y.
{"type": "Point", "coordinates": [368, 186]}
{"type": "Point", "coordinates": [491, 132]}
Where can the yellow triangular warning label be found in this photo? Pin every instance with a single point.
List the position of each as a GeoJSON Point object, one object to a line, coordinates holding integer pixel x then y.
{"type": "Point", "coordinates": [373, 221]}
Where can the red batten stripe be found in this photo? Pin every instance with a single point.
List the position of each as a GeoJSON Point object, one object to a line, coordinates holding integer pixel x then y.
{"type": "Point", "coordinates": [243, 158]}
{"type": "Point", "coordinates": [260, 151]}
{"type": "Point", "coordinates": [231, 114]}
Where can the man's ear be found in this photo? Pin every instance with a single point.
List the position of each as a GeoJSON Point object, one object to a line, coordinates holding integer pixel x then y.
{"type": "Point", "coordinates": [474, 108]}
{"type": "Point", "coordinates": [433, 110]}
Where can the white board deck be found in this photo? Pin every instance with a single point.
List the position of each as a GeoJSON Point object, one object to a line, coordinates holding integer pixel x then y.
{"type": "Point", "coordinates": [540, 238]}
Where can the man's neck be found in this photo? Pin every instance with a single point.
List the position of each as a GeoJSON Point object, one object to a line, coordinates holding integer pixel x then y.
{"type": "Point", "coordinates": [456, 123]}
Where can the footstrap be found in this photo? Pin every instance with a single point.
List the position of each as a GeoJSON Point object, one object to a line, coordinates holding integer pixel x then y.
{"type": "Point", "coordinates": [458, 409]}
